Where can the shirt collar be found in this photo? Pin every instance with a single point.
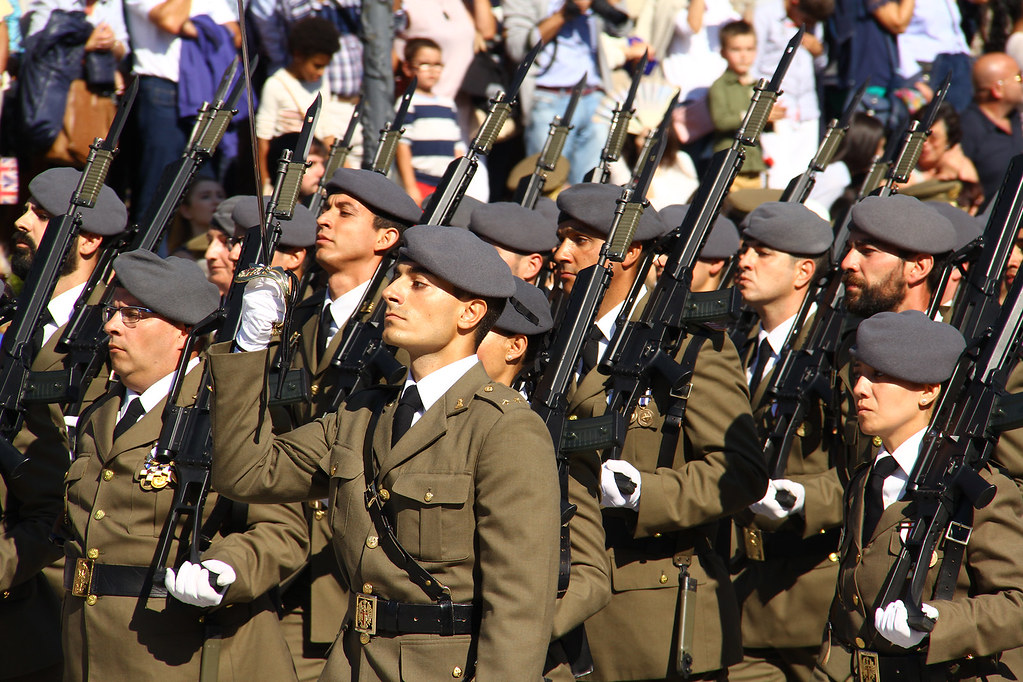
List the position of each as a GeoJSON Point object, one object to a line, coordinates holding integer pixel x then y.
{"type": "Point", "coordinates": [777, 336]}
{"type": "Point", "coordinates": [342, 307]}
{"type": "Point", "coordinates": [606, 324]}
{"type": "Point", "coordinates": [906, 454]}
{"type": "Point", "coordinates": [436, 383]}
{"type": "Point", "coordinates": [62, 306]}
{"type": "Point", "coordinates": [154, 394]}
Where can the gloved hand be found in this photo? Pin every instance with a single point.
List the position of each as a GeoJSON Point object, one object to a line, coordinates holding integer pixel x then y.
{"type": "Point", "coordinates": [610, 494]}
{"type": "Point", "coordinates": [892, 623]}
{"type": "Point", "coordinates": [263, 306]}
{"type": "Point", "coordinates": [770, 507]}
{"type": "Point", "coordinates": [191, 583]}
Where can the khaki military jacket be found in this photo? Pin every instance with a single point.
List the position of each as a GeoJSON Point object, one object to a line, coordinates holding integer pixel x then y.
{"type": "Point", "coordinates": [29, 602]}
{"type": "Point", "coordinates": [981, 620]}
{"type": "Point", "coordinates": [1009, 450]}
{"type": "Point", "coordinates": [473, 496]}
{"type": "Point", "coordinates": [796, 578]}
{"type": "Point", "coordinates": [715, 469]}
{"type": "Point", "coordinates": [110, 517]}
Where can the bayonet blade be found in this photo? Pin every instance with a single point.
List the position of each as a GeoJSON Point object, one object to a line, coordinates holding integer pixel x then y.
{"type": "Point", "coordinates": [932, 109]}
{"type": "Point", "coordinates": [646, 174]}
{"type": "Point", "coordinates": [353, 122]}
{"type": "Point", "coordinates": [854, 103]}
{"type": "Point", "coordinates": [786, 59]}
{"type": "Point", "coordinates": [520, 73]}
{"type": "Point", "coordinates": [630, 99]}
{"type": "Point", "coordinates": [225, 83]}
{"type": "Point", "coordinates": [121, 117]}
{"type": "Point", "coordinates": [406, 100]}
{"type": "Point", "coordinates": [577, 92]}
{"type": "Point", "coordinates": [305, 138]}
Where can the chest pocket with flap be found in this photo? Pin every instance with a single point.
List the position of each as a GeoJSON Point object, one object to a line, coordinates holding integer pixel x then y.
{"type": "Point", "coordinates": [433, 519]}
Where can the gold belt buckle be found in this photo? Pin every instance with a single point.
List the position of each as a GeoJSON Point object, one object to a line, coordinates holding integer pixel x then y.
{"type": "Point", "coordinates": [753, 539]}
{"type": "Point", "coordinates": [82, 584]}
{"type": "Point", "coordinates": [366, 614]}
{"type": "Point", "coordinates": [866, 666]}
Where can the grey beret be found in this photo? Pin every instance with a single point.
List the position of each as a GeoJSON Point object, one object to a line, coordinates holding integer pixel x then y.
{"type": "Point", "coordinates": [299, 232]}
{"type": "Point", "coordinates": [222, 216]}
{"type": "Point", "coordinates": [593, 205]}
{"type": "Point", "coordinates": [967, 227]}
{"type": "Point", "coordinates": [789, 227]}
{"type": "Point", "coordinates": [150, 278]}
{"type": "Point", "coordinates": [52, 189]}
{"type": "Point", "coordinates": [462, 212]}
{"type": "Point", "coordinates": [376, 192]}
{"type": "Point", "coordinates": [723, 240]}
{"type": "Point", "coordinates": [460, 257]}
{"type": "Point", "coordinates": [514, 227]}
{"type": "Point", "coordinates": [905, 223]}
{"type": "Point", "coordinates": [528, 311]}
{"type": "Point", "coordinates": [548, 207]}
{"type": "Point", "coordinates": [909, 346]}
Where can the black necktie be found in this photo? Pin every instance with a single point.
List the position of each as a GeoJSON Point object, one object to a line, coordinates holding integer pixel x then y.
{"type": "Point", "coordinates": [873, 500]}
{"type": "Point", "coordinates": [131, 415]}
{"type": "Point", "coordinates": [764, 353]}
{"type": "Point", "coordinates": [323, 333]}
{"type": "Point", "coordinates": [408, 405]}
{"type": "Point", "coordinates": [45, 318]}
{"type": "Point", "coordinates": [591, 350]}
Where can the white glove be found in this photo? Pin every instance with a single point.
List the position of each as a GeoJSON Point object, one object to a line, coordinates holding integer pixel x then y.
{"type": "Point", "coordinates": [610, 494]}
{"type": "Point", "coordinates": [191, 584]}
{"type": "Point", "coordinates": [263, 305]}
{"type": "Point", "coordinates": [892, 623]}
{"type": "Point", "coordinates": [769, 505]}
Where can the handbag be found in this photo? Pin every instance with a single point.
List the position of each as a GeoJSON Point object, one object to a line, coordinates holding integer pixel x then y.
{"type": "Point", "coordinates": [87, 115]}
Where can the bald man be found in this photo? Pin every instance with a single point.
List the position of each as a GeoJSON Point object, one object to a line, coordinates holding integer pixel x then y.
{"type": "Point", "coordinates": [992, 133]}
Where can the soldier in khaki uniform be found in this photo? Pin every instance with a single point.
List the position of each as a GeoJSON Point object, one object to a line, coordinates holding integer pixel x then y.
{"type": "Point", "coordinates": [118, 499]}
{"type": "Point", "coordinates": [712, 265]}
{"type": "Point", "coordinates": [787, 554]}
{"type": "Point", "coordinates": [686, 481]}
{"type": "Point", "coordinates": [29, 596]}
{"type": "Point", "coordinates": [459, 467]}
{"type": "Point", "coordinates": [524, 238]}
{"type": "Point", "coordinates": [901, 360]}
{"type": "Point", "coordinates": [363, 216]}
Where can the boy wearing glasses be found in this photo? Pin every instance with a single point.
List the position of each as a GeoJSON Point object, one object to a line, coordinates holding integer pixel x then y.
{"type": "Point", "coordinates": [432, 137]}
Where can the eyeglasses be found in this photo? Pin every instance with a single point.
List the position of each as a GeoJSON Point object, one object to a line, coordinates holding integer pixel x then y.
{"type": "Point", "coordinates": [424, 66]}
{"type": "Point", "coordinates": [131, 315]}
{"type": "Point", "coordinates": [234, 241]}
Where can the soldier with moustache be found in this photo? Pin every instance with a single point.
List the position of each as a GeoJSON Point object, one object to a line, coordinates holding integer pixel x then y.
{"type": "Point", "coordinates": [686, 480]}
{"type": "Point", "coordinates": [508, 350]}
{"type": "Point", "coordinates": [216, 618]}
{"type": "Point", "coordinates": [443, 502]}
{"type": "Point", "coordinates": [786, 554]}
{"type": "Point", "coordinates": [901, 361]}
{"type": "Point", "coordinates": [29, 596]}
{"type": "Point", "coordinates": [524, 238]}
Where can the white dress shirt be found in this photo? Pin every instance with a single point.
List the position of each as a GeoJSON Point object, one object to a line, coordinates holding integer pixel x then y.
{"type": "Point", "coordinates": [905, 456]}
{"type": "Point", "coordinates": [60, 309]}
{"type": "Point", "coordinates": [154, 394]}
{"type": "Point", "coordinates": [436, 383]}
{"type": "Point", "coordinates": [343, 307]}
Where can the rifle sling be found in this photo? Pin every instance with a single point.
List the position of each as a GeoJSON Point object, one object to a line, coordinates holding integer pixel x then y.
{"type": "Point", "coordinates": [388, 540]}
{"type": "Point", "coordinates": [955, 549]}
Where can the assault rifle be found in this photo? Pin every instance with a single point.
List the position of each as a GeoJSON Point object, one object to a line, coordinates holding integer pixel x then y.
{"type": "Point", "coordinates": [620, 117]}
{"type": "Point", "coordinates": [83, 341]}
{"type": "Point", "coordinates": [799, 187]}
{"type": "Point", "coordinates": [18, 348]}
{"type": "Point", "coordinates": [531, 186]}
{"type": "Point", "coordinates": [391, 133]}
{"type": "Point", "coordinates": [361, 356]}
{"type": "Point", "coordinates": [945, 485]}
{"type": "Point", "coordinates": [339, 152]}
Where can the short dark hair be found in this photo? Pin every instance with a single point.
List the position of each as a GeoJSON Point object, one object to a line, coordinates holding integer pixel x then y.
{"type": "Point", "coordinates": [495, 306]}
{"type": "Point", "coordinates": [384, 223]}
{"type": "Point", "coordinates": [734, 29]}
{"type": "Point", "coordinates": [312, 36]}
{"type": "Point", "coordinates": [821, 261]}
{"type": "Point", "coordinates": [414, 45]}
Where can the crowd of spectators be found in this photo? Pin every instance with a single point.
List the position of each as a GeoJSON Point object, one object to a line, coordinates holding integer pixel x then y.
{"type": "Point", "coordinates": [59, 54]}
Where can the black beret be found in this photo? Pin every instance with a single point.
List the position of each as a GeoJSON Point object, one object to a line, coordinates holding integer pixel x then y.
{"type": "Point", "coordinates": [222, 216]}
{"type": "Point", "coordinates": [52, 189]}
{"type": "Point", "coordinates": [527, 312]}
{"type": "Point", "coordinates": [593, 205]}
{"type": "Point", "coordinates": [723, 240]}
{"type": "Point", "coordinates": [909, 346]}
{"type": "Point", "coordinates": [905, 223]}
{"type": "Point", "coordinates": [967, 227]}
{"type": "Point", "coordinates": [514, 227]}
{"type": "Point", "coordinates": [376, 192]}
{"type": "Point", "coordinates": [789, 227]}
{"type": "Point", "coordinates": [299, 232]}
{"type": "Point", "coordinates": [460, 257]}
{"type": "Point", "coordinates": [149, 278]}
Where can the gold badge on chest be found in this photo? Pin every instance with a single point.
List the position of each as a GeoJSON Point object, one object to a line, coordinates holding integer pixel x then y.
{"type": "Point", "coordinates": [156, 475]}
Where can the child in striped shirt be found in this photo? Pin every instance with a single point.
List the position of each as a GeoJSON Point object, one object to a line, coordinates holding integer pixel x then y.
{"type": "Point", "coordinates": [432, 138]}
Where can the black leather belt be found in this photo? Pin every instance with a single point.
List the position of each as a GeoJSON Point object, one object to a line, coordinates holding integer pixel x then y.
{"type": "Point", "coordinates": [869, 666]}
{"type": "Point", "coordinates": [84, 577]}
{"type": "Point", "coordinates": [389, 617]}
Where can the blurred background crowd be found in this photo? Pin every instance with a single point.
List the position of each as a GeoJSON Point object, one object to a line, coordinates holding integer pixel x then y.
{"type": "Point", "coordinates": [63, 63]}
